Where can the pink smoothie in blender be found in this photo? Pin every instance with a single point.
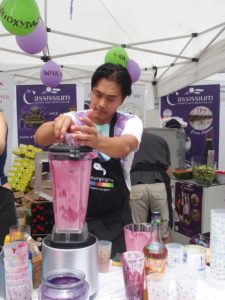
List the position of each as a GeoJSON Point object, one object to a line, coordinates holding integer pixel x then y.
{"type": "Point", "coordinates": [70, 171]}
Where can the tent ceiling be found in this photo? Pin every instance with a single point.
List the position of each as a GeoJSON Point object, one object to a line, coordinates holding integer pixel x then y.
{"type": "Point", "coordinates": [156, 34]}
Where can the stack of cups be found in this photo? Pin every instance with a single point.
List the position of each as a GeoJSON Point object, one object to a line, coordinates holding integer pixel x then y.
{"type": "Point", "coordinates": [217, 245]}
{"type": "Point", "coordinates": [17, 276]}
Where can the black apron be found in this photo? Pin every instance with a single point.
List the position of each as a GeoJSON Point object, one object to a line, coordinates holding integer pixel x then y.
{"type": "Point", "coordinates": [108, 204]}
{"type": "Point", "coordinates": [166, 181]}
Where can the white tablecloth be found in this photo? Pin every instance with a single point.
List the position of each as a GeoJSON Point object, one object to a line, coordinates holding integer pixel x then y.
{"type": "Point", "coordinates": [111, 287]}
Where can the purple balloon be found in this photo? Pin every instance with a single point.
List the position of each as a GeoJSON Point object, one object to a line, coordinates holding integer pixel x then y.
{"type": "Point", "coordinates": [51, 74]}
{"type": "Point", "coordinates": [133, 69]}
{"type": "Point", "coordinates": [35, 42]}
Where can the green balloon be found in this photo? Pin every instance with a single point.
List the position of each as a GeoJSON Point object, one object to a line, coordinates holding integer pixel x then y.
{"type": "Point", "coordinates": [117, 56]}
{"type": "Point", "coordinates": [19, 17]}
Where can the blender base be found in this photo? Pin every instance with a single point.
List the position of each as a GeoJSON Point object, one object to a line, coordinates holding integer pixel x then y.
{"type": "Point", "coordinates": [81, 256]}
{"type": "Point", "coordinates": [70, 238]}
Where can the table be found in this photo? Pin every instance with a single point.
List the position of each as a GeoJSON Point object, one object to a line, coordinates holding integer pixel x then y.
{"type": "Point", "coordinates": [111, 287]}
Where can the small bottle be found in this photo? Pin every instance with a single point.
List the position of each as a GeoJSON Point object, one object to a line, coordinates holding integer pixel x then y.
{"type": "Point", "coordinates": [155, 251]}
{"type": "Point", "coordinates": [207, 146]}
{"type": "Point", "coordinates": [186, 205]}
{"type": "Point", "coordinates": [36, 261]}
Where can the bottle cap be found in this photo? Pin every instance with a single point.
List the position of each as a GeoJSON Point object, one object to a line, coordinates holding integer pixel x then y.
{"type": "Point", "coordinates": [156, 213]}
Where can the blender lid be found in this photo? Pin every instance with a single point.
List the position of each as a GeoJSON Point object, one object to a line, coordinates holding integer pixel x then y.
{"type": "Point", "coordinates": [73, 151]}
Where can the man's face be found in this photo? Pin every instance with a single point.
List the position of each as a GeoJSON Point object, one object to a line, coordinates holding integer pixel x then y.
{"type": "Point", "coordinates": [106, 97]}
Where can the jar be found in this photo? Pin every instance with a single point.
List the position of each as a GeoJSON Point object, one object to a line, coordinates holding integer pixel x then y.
{"type": "Point", "coordinates": [64, 285]}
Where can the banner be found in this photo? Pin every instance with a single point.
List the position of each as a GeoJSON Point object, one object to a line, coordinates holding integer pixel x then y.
{"type": "Point", "coordinates": [8, 106]}
{"type": "Point", "coordinates": [37, 104]}
{"type": "Point", "coordinates": [199, 106]}
{"type": "Point", "coordinates": [188, 208]}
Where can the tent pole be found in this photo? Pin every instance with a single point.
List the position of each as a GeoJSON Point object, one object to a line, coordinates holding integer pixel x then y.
{"type": "Point", "coordinates": [178, 56]}
{"type": "Point", "coordinates": [22, 69]}
{"type": "Point", "coordinates": [5, 34]}
{"type": "Point", "coordinates": [212, 28]}
{"type": "Point", "coordinates": [159, 40]}
{"type": "Point", "coordinates": [207, 46]}
{"type": "Point", "coordinates": [82, 37]}
{"type": "Point", "coordinates": [20, 53]}
{"type": "Point", "coordinates": [45, 12]}
{"type": "Point", "coordinates": [79, 52]}
{"type": "Point", "coordinates": [158, 52]}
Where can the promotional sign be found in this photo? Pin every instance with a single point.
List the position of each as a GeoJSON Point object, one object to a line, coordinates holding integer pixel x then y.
{"type": "Point", "coordinates": [199, 106]}
{"type": "Point", "coordinates": [37, 104]}
{"type": "Point", "coordinates": [188, 208]}
{"type": "Point", "coordinates": [8, 106]}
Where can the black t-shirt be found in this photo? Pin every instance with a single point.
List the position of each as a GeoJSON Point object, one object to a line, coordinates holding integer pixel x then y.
{"type": "Point", "coordinates": [153, 155]}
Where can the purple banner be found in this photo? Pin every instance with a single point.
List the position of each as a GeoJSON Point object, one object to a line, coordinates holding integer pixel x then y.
{"type": "Point", "coordinates": [188, 208]}
{"type": "Point", "coordinates": [37, 104]}
{"type": "Point", "coordinates": [198, 106]}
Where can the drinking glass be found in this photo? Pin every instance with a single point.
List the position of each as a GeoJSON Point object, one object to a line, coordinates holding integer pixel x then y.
{"type": "Point", "coordinates": [16, 232]}
{"type": "Point", "coordinates": [104, 253]}
{"type": "Point", "coordinates": [133, 273]}
{"type": "Point", "coordinates": [136, 236]}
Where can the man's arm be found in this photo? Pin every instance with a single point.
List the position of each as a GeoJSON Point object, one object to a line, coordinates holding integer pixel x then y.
{"type": "Point", "coordinates": [53, 131]}
{"type": "Point", "coordinates": [116, 147]}
{"type": "Point", "coordinates": [45, 135]}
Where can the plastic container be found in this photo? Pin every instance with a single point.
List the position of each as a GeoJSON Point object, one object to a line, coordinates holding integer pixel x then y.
{"type": "Point", "coordinates": [220, 176]}
{"type": "Point", "coordinates": [64, 285]}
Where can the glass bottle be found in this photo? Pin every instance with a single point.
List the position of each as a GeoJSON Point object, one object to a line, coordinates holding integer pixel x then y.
{"type": "Point", "coordinates": [207, 146]}
{"type": "Point", "coordinates": [64, 285]}
{"type": "Point", "coordinates": [155, 251]}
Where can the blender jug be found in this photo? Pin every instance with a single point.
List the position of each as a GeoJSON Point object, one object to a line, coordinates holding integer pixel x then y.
{"type": "Point", "coordinates": [70, 169]}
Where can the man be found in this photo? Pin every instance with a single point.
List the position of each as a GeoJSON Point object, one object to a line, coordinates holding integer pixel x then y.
{"type": "Point", "coordinates": [151, 183]}
{"type": "Point", "coordinates": [115, 136]}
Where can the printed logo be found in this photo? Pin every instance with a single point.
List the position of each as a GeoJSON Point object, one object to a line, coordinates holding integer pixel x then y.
{"type": "Point", "coordinates": [49, 95]}
{"type": "Point", "coordinates": [51, 90]}
{"type": "Point", "coordinates": [28, 97]}
{"type": "Point", "coordinates": [195, 91]}
{"type": "Point", "coordinates": [98, 167]}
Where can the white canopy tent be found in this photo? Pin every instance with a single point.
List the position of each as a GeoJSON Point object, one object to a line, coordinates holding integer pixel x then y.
{"type": "Point", "coordinates": [175, 42]}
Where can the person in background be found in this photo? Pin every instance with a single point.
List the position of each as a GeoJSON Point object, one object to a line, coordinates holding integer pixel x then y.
{"type": "Point", "coordinates": [150, 181]}
{"type": "Point", "coordinates": [7, 202]}
{"type": "Point", "coordinates": [115, 136]}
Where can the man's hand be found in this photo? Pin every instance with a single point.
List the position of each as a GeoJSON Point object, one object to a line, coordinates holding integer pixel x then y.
{"type": "Point", "coordinates": [62, 124]}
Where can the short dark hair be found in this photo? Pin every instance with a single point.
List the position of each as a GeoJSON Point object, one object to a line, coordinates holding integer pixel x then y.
{"type": "Point", "coordinates": [115, 73]}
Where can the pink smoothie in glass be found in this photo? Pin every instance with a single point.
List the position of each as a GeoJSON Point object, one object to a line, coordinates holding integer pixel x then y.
{"type": "Point", "coordinates": [70, 187]}
{"type": "Point", "coordinates": [135, 240]}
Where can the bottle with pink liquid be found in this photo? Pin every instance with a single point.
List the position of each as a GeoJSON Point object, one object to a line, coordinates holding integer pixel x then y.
{"type": "Point", "coordinates": [155, 251]}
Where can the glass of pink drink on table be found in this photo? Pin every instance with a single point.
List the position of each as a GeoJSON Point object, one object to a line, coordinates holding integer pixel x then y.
{"type": "Point", "coordinates": [136, 236]}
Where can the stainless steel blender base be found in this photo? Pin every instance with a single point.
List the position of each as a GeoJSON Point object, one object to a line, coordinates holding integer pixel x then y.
{"type": "Point", "coordinates": [82, 256]}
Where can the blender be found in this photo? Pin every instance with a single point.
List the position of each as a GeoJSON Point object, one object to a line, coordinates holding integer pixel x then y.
{"type": "Point", "coordinates": [70, 245]}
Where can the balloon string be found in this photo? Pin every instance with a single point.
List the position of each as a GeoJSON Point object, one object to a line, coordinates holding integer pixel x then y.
{"type": "Point", "coordinates": [71, 9]}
